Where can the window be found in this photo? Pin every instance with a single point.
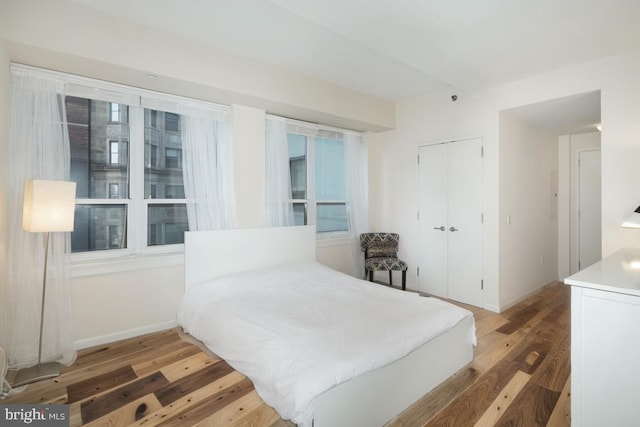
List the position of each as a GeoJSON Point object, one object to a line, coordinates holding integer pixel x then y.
{"type": "Point", "coordinates": [171, 122]}
{"type": "Point", "coordinates": [129, 202]}
{"type": "Point", "coordinates": [117, 153]}
{"type": "Point", "coordinates": [116, 112]}
{"type": "Point", "coordinates": [174, 192]}
{"type": "Point", "coordinates": [114, 191]}
{"type": "Point", "coordinates": [113, 152]}
{"type": "Point", "coordinates": [318, 195]}
{"type": "Point", "coordinates": [111, 209]}
{"type": "Point", "coordinates": [173, 158]}
{"type": "Point", "coordinates": [114, 237]}
{"type": "Point", "coordinates": [151, 155]}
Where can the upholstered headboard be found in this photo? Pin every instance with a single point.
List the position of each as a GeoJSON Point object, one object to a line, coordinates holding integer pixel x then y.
{"type": "Point", "coordinates": [210, 254]}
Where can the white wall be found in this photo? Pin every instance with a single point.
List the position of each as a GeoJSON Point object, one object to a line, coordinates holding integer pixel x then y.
{"type": "Point", "coordinates": [67, 37]}
{"type": "Point", "coordinates": [248, 165]}
{"type": "Point", "coordinates": [112, 306]}
{"type": "Point", "coordinates": [528, 227]}
{"type": "Point", "coordinates": [436, 118]}
{"type": "Point", "coordinates": [393, 194]}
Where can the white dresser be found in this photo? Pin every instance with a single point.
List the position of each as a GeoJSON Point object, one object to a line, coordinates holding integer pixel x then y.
{"type": "Point", "coordinates": [605, 342]}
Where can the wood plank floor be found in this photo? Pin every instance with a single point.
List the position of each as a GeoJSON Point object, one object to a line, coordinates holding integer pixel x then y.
{"type": "Point", "coordinates": [520, 374]}
{"type": "Point", "coordinates": [519, 377]}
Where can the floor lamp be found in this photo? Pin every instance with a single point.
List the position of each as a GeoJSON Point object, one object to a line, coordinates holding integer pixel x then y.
{"type": "Point", "coordinates": [48, 207]}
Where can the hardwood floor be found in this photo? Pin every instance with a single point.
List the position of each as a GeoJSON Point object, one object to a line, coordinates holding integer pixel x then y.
{"type": "Point", "coordinates": [519, 377]}
{"type": "Point", "coordinates": [520, 374]}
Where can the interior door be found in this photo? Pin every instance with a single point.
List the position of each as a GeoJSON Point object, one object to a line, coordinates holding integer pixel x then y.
{"type": "Point", "coordinates": [450, 217]}
{"type": "Point", "coordinates": [433, 211]}
{"type": "Point", "coordinates": [465, 221]}
{"type": "Point", "coordinates": [589, 215]}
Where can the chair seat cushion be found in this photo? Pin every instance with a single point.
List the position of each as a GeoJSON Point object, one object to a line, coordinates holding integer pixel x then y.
{"type": "Point", "coordinates": [382, 251]}
{"type": "Point", "coordinates": [384, 264]}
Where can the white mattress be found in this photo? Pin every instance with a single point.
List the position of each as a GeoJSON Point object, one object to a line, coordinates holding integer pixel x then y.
{"type": "Point", "coordinates": [298, 329]}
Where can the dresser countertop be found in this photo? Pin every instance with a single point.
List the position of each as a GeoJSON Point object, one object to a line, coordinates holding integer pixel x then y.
{"type": "Point", "coordinates": [619, 272]}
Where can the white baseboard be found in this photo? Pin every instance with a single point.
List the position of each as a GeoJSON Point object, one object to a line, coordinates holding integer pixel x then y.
{"type": "Point", "coordinates": [129, 333]}
{"type": "Point", "coordinates": [523, 297]}
{"type": "Point", "coordinates": [493, 308]}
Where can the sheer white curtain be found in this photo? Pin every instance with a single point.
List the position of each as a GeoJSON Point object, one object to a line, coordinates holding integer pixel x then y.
{"type": "Point", "coordinates": [208, 169]}
{"type": "Point", "coordinates": [356, 189]}
{"type": "Point", "coordinates": [278, 206]}
{"type": "Point", "coordinates": [38, 148]}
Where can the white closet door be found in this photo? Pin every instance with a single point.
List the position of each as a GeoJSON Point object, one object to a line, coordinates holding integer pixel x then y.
{"type": "Point", "coordinates": [450, 209]}
{"type": "Point", "coordinates": [433, 219]}
{"type": "Point", "coordinates": [465, 221]}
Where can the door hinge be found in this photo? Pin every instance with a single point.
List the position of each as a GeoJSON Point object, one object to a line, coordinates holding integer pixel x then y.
{"type": "Point", "coordinates": [482, 284]}
{"type": "Point", "coordinates": [418, 215]}
{"type": "Point", "coordinates": [418, 158]}
{"type": "Point", "coordinates": [417, 271]}
{"type": "Point", "coordinates": [481, 218]}
{"type": "Point", "coordinates": [481, 151]}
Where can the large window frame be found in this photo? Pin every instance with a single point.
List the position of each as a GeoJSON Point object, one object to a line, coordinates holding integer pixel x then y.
{"type": "Point", "coordinates": [312, 133]}
{"type": "Point", "coordinates": [136, 205]}
{"type": "Point", "coordinates": [137, 253]}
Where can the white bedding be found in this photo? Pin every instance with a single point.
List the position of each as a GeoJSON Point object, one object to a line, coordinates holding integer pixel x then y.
{"type": "Point", "coordinates": [298, 329]}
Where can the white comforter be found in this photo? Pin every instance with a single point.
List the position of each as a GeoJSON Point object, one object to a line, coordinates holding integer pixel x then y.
{"type": "Point", "coordinates": [298, 329]}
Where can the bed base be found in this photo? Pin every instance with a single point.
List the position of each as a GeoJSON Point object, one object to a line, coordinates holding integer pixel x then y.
{"type": "Point", "coordinates": [371, 399]}
{"type": "Point", "coordinates": [376, 397]}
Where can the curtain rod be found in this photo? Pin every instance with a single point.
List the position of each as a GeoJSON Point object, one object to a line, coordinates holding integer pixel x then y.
{"type": "Point", "coordinates": [319, 126]}
{"type": "Point", "coordinates": [104, 85]}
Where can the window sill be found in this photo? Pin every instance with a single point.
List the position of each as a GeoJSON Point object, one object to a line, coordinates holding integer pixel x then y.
{"type": "Point", "coordinates": [332, 239]}
{"type": "Point", "coordinates": [122, 263]}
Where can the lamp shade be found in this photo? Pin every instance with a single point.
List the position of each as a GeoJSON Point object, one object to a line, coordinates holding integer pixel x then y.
{"type": "Point", "coordinates": [48, 205]}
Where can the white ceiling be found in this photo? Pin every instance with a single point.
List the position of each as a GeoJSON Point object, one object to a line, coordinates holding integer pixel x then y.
{"type": "Point", "coordinates": [562, 116]}
{"type": "Point", "coordinates": [398, 49]}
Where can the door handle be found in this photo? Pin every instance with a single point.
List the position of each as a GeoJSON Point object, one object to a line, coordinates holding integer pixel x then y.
{"type": "Point", "coordinates": [453, 229]}
{"type": "Point", "coordinates": [441, 228]}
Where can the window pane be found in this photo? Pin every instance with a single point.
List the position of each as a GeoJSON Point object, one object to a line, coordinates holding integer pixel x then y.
{"type": "Point", "coordinates": [118, 112]}
{"type": "Point", "coordinates": [167, 224]}
{"type": "Point", "coordinates": [329, 154]}
{"type": "Point", "coordinates": [171, 122]}
{"type": "Point", "coordinates": [298, 165]}
{"type": "Point", "coordinates": [174, 192]}
{"type": "Point", "coordinates": [162, 177]}
{"type": "Point", "coordinates": [114, 191]}
{"type": "Point", "coordinates": [99, 148]}
{"type": "Point", "coordinates": [331, 217]}
{"type": "Point", "coordinates": [99, 227]}
{"type": "Point", "coordinates": [300, 214]}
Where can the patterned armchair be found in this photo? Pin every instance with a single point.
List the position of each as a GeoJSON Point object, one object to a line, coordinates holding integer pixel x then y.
{"type": "Point", "coordinates": [381, 254]}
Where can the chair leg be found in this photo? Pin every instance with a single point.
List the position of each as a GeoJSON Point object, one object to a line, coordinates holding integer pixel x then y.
{"type": "Point", "coordinates": [390, 277]}
{"type": "Point", "coordinates": [404, 280]}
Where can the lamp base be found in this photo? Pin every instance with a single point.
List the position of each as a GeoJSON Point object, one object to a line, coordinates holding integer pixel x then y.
{"type": "Point", "coordinates": [39, 372]}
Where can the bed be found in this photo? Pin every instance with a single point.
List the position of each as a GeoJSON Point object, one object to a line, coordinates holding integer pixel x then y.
{"type": "Point", "coordinates": [259, 299]}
